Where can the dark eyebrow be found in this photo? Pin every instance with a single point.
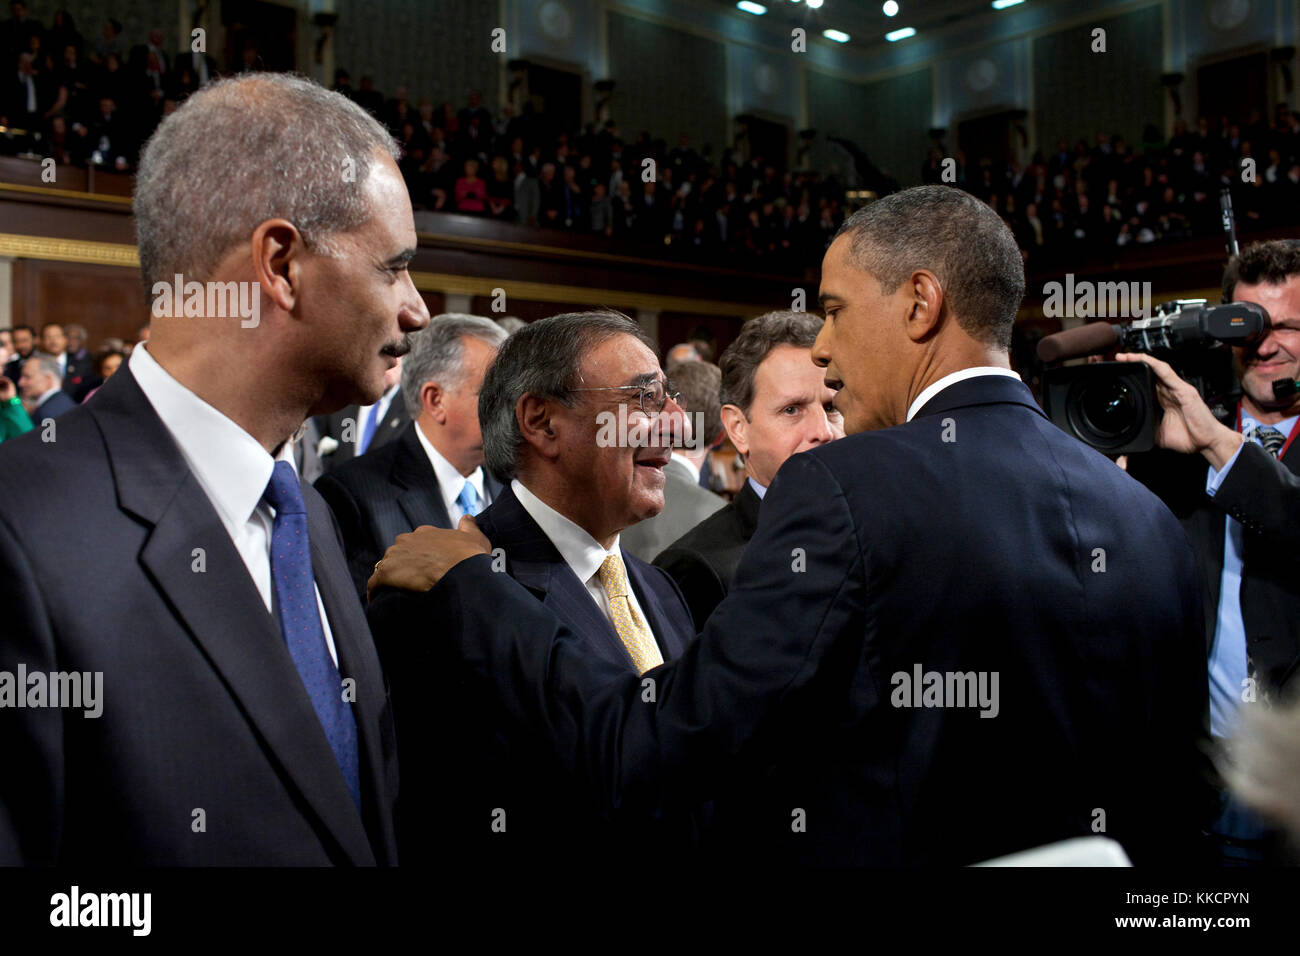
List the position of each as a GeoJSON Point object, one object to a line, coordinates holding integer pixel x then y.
{"type": "Point", "coordinates": [401, 259]}
{"type": "Point", "coordinates": [825, 297]}
{"type": "Point", "coordinates": [646, 378]}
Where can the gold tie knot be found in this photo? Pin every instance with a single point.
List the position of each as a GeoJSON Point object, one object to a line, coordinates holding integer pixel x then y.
{"type": "Point", "coordinates": [613, 577]}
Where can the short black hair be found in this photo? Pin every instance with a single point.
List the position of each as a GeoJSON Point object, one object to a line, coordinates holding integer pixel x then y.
{"type": "Point", "coordinates": [958, 238]}
{"type": "Point", "coordinates": [1270, 262]}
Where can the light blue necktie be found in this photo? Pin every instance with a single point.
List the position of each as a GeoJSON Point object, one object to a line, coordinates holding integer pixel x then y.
{"type": "Point", "coordinates": [468, 501]}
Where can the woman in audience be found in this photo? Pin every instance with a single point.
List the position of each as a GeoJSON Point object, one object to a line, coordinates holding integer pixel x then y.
{"type": "Point", "coordinates": [471, 192]}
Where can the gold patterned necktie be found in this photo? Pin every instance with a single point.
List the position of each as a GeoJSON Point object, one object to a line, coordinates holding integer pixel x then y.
{"type": "Point", "coordinates": [632, 631]}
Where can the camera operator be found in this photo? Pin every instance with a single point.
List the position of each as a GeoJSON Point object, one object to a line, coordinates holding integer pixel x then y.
{"type": "Point", "coordinates": [1242, 514]}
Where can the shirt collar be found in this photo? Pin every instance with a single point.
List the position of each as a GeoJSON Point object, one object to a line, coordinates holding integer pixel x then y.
{"type": "Point", "coordinates": [759, 490]}
{"type": "Point", "coordinates": [580, 550]}
{"type": "Point", "coordinates": [229, 463]}
{"type": "Point", "coordinates": [1284, 426]}
{"type": "Point", "coordinates": [450, 480]}
{"type": "Point", "coordinates": [934, 388]}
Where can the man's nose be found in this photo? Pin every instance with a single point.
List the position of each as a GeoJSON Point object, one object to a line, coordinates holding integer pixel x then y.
{"type": "Point", "coordinates": [822, 431]}
{"type": "Point", "coordinates": [414, 314]}
{"type": "Point", "coordinates": [821, 350]}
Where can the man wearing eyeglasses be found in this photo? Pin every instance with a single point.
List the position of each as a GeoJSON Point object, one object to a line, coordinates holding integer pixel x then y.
{"type": "Point", "coordinates": [577, 420]}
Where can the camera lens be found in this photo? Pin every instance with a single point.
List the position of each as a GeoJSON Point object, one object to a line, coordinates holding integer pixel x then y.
{"type": "Point", "coordinates": [1108, 407]}
{"type": "Point", "coordinates": [1105, 413]}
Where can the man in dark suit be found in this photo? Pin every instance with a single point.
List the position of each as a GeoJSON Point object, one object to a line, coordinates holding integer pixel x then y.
{"type": "Point", "coordinates": [79, 375]}
{"type": "Point", "coordinates": [41, 385]}
{"type": "Point", "coordinates": [164, 551]}
{"type": "Point", "coordinates": [433, 473]}
{"type": "Point", "coordinates": [932, 651]}
{"type": "Point", "coordinates": [24, 340]}
{"type": "Point", "coordinates": [686, 504]}
{"type": "Point", "coordinates": [555, 529]}
{"type": "Point", "coordinates": [352, 431]}
{"type": "Point", "coordinates": [1234, 486]}
{"type": "Point", "coordinates": [774, 405]}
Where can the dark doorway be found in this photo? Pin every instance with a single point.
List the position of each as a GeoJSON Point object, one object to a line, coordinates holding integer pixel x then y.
{"type": "Point", "coordinates": [993, 135]}
{"type": "Point", "coordinates": [557, 96]}
{"type": "Point", "coordinates": [259, 36]}
{"type": "Point", "coordinates": [768, 139]}
{"type": "Point", "coordinates": [1233, 88]}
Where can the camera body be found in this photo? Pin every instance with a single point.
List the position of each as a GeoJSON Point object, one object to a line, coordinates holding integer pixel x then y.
{"type": "Point", "coordinates": [1113, 407]}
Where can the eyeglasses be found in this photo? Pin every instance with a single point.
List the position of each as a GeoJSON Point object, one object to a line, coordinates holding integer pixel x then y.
{"type": "Point", "coordinates": [654, 395]}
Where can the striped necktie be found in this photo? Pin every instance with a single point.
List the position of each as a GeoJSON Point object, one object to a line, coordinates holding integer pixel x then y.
{"type": "Point", "coordinates": [632, 630]}
{"type": "Point", "coordinates": [1270, 438]}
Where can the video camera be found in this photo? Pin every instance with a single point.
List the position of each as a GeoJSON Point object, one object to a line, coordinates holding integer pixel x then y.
{"type": "Point", "coordinates": [1112, 406]}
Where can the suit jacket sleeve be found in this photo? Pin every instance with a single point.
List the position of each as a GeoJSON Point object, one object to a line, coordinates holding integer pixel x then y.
{"type": "Point", "coordinates": [1261, 493]}
{"type": "Point", "coordinates": [357, 544]}
{"type": "Point", "coordinates": [697, 580]}
{"type": "Point", "coordinates": [646, 745]}
{"type": "Point", "coordinates": [31, 738]}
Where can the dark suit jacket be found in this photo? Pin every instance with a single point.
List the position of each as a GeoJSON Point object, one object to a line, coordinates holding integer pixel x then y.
{"type": "Point", "coordinates": [1264, 495]}
{"type": "Point", "coordinates": [875, 556]}
{"type": "Point", "coordinates": [384, 493]}
{"type": "Point", "coordinates": [703, 560]}
{"type": "Point", "coordinates": [203, 708]}
{"type": "Point", "coordinates": [389, 428]}
{"type": "Point", "coordinates": [465, 755]}
{"type": "Point", "coordinates": [79, 377]}
{"type": "Point", "coordinates": [52, 407]}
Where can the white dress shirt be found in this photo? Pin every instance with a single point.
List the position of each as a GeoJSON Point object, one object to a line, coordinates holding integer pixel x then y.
{"type": "Point", "coordinates": [232, 468]}
{"type": "Point", "coordinates": [450, 480]}
{"type": "Point", "coordinates": [934, 388]}
{"type": "Point", "coordinates": [580, 551]}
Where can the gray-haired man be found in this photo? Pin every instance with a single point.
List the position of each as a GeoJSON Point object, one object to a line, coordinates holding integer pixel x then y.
{"type": "Point", "coordinates": [432, 474]}
{"type": "Point", "coordinates": [164, 544]}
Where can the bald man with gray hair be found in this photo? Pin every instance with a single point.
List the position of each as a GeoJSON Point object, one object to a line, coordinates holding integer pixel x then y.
{"type": "Point", "coordinates": [164, 542]}
{"type": "Point", "coordinates": [432, 473]}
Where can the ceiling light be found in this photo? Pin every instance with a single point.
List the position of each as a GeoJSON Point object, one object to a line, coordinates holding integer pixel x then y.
{"type": "Point", "coordinates": [814, 4]}
{"type": "Point", "coordinates": [757, 9]}
{"type": "Point", "coordinates": [890, 9]}
{"type": "Point", "coordinates": [837, 35]}
{"type": "Point", "coordinates": [902, 34]}
{"type": "Point", "coordinates": [1003, 4]}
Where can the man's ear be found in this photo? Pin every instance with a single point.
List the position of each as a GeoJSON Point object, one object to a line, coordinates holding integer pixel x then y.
{"type": "Point", "coordinates": [737, 427]}
{"type": "Point", "coordinates": [534, 415]}
{"type": "Point", "coordinates": [277, 249]}
{"type": "Point", "coordinates": [431, 400]}
{"type": "Point", "coordinates": [925, 305]}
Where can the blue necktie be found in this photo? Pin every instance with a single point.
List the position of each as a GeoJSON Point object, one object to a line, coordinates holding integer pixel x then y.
{"type": "Point", "coordinates": [368, 429]}
{"type": "Point", "coordinates": [300, 622]}
{"type": "Point", "coordinates": [467, 500]}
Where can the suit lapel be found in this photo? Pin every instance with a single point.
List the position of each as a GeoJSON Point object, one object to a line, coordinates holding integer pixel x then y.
{"type": "Point", "coordinates": [534, 562]}
{"type": "Point", "coordinates": [357, 661]}
{"type": "Point", "coordinates": [659, 621]}
{"type": "Point", "coordinates": [421, 501]}
{"type": "Point", "coordinates": [222, 610]}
